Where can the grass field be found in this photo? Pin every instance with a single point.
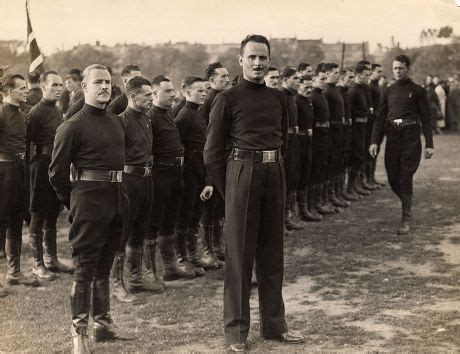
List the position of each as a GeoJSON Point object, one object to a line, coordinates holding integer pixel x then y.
{"type": "Point", "coordinates": [351, 284]}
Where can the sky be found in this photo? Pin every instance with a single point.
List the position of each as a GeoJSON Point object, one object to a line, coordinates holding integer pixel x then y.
{"type": "Point", "coordinates": [61, 24]}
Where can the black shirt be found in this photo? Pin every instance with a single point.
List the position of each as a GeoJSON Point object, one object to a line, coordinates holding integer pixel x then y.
{"type": "Point", "coordinates": [34, 96]}
{"type": "Point", "coordinates": [375, 93]}
{"type": "Point", "coordinates": [12, 129]}
{"type": "Point", "coordinates": [359, 101]}
{"type": "Point", "coordinates": [247, 116]}
{"type": "Point", "coordinates": [291, 107]}
{"type": "Point", "coordinates": [205, 108]}
{"type": "Point", "coordinates": [346, 101]}
{"type": "Point", "coordinates": [304, 112]}
{"type": "Point", "coordinates": [92, 139]}
{"type": "Point", "coordinates": [118, 105]}
{"type": "Point", "coordinates": [335, 102]}
{"type": "Point", "coordinates": [42, 122]}
{"type": "Point", "coordinates": [166, 138]}
{"type": "Point", "coordinates": [76, 107]}
{"type": "Point", "coordinates": [177, 107]}
{"type": "Point", "coordinates": [320, 106]}
{"type": "Point", "coordinates": [403, 100]}
{"type": "Point", "coordinates": [138, 137]}
{"type": "Point", "coordinates": [192, 127]}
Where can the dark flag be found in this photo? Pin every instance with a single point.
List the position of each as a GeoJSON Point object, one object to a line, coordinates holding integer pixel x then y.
{"type": "Point", "coordinates": [36, 57]}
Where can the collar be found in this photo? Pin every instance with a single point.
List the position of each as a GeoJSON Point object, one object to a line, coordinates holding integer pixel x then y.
{"type": "Point", "coordinates": [133, 112]}
{"type": "Point", "coordinates": [317, 90]}
{"type": "Point", "coordinates": [289, 92]}
{"type": "Point", "coordinates": [251, 85]}
{"type": "Point", "coordinates": [94, 110]}
{"type": "Point", "coordinates": [48, 103]}
{"type": "Point", "coordinates": [159, 109]}
{"type": "Point", "coordinates": [192, 105]}
{"type": "Point", "coordinates": [404, 81]}
{"type": "Point", "coordinates": [10, 107]}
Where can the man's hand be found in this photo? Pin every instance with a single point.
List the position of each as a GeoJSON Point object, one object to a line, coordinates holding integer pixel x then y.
{"type": "Point", "coordinates": [206, 194]}
{"type": "Point", "coordinates": [429, 152]}
{"type": "Point", "coordinates": [373, 150]}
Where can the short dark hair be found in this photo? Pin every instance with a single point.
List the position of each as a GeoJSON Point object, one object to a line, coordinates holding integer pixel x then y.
{"type": "Point", "coordinates": [319, 68]}
{"type": "Point", "coordinates": [403, 59]}
{"type": "Point", "coordinates": [329, 67]}
{"type": "Point", "coordinates": [158, 79]}
{"type": "Point", "coordinates": [254, 38]}
{"type": "Point", "coordinates": [92, 67]}
{"type": "Point", "coordinates": [211, 70]}
{"type": "Point", "coordinates": [33, 77]}
{"type": "Point", "coordinates": [272, 68]}
{"type": "Point", "coordinates": [73, 76]}
{"type": "Point", "coordinates": [303, 66]}
{"type": "Point", "coordinates": [44, 76]}
{"type": "Point", "coordinates": [135, 84]}
{"type": "Point", "coordinates": [77, 72]}
{"type": "Point", "coordinates": [9, 82]}
{"type": "Point", "coordinates": [190, 80]}
{"type": "Point", "coordinates": [375, 65]}
{"type": "Point", "coordinates": [344, 71]}
{"type": "Point", "coordinates": [288, 72]}
{"type": "Point", "coordinates": [360, 68]}
{"type": "Point", "coordinates": [128, 68]}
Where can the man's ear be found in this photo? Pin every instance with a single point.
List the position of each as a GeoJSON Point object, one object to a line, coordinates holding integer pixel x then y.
{"type": "Point", "coordinates": [240, 60]}
{"type": "Point", "coordinates": [83, 86]}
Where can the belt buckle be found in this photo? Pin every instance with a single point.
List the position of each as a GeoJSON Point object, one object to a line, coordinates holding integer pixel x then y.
{"type": "Point", "coordinates": [116, 176]}
{"type": "Point", "coordinates": [21, 155]}
{"type": "Point", "coordinates": [268, 156]}
{"type": "Point", "coordinates": [397, 121]}
{"type": "Point", "coordinates": [180, 160]}
{"type": "Point", "coordinates": [147, 172]}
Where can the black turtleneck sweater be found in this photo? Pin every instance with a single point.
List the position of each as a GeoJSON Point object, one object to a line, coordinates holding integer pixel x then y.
{"type": "Point", "coordinates": [12, 129]}
{"type": "Point", "coordinates": [291, 107]}
{"type": "Point", "coordinates": [42, 121]}
{"type": "Point", "coordinates": [375, 93]}
{"type": "Point", "coordinates": [247, 116]}
{"type": "Point", "coordinates": [118, 105]}
{"type": "Point", "coordinates": [192, 127]}
{"type": "Point", "coordinates": [138, 137]}
{"type": "Point", "coordinates": [166, 138]}
{"type": "Point", "coordinates": [92, 139]}
{"type": "Point", "coordinates": [304, 112]}
{"type": "Point", "coordinates": [320, 106]}
{"type": "Point", "coordinates": [359, 101]}
{"type": "Point", "coordinates": [346, 101]}
{"type": "Point", "coordinates": [34, 96]}
{"type": "Point", "coordinates": [403, 100]}
{"type": "Point", "coordinates": [177, 107]}
{"type": "Point", "coordinates": [335, 102]}
{"type": "Point", "coordinates": [205, 108]}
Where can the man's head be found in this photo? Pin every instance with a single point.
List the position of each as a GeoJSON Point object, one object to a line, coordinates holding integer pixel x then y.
{"type": "Point", "coordinates": [129, 72]}
{"type": "Point", "coordinates": [305, 69]}
{"type": "Point", "coordinates": [195, 91]}
{"type": "Point", "coordinates": [377, 71]}
{"type": "Point", "coordinates": [72, 82]}
{"type": "Point", "coordinates": [436, 80]}
{"type": "Point", "coordinates": [306, 85]}
{"type": "Point", "coordinates": [383, 82]}
{"type": "Point", "coordinates": [429, 80]}
{"type": "Point", "coordinates": [51, 85]}
{"type": "Point", "coordinates": [401, 67]}
{"type": "Point", "coordinates": [33, 79]}
{"type": "Point", "coordinates": [272, 77]}
{"type": "Point", "coordinates": [218, 76]}
{"type": "Point", "coordinates": [362, 73]}
{"type": "Point", "coordinates": [163, 91]}
{"type": "Point", "coordinates": [290, 78]}
{"type": "Point", "coordinates": [320, 79]}
{"type": "Point", "coordinates": [139, 94]}
{"type": "Point", "coordinates": [14, 89]}
{"type": "Point", "coordinates": [347, 76]}
{"type": "Point", "coordinates": [254, 57]}
{"type": "Point", "coordinates": [97, 85]}
{"type": "Point", "coordinates": [332, 72]}
{"type": "Point", "coordinates": [366, 63]}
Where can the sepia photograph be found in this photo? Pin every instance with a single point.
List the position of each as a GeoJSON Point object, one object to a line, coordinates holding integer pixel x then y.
{"type": "Point", "coordinates": [217, 176]}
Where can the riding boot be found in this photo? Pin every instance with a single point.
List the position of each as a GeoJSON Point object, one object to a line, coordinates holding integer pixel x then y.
{"type": "Point", "coordinates": [181, 249]}
{"type": "Point", "coordinates": [311, 205]}
{"type": "Point", "coordinates": [50, 254]}
{"type": "Point", "coordinates": [404, 228]}
{"type": "Point", "coordinates": [13, 262]}
{"type": "Point", "coordinates": [193, 255]}
{"type": "Point", "coordinates": [218, 241]}
{"type": "Point", "coordinates": [80, 297]}
{"type": "Point", "coordinates": [136, 282]}
{"type": "Point", "coordinates": [39, 269]}
{"type": "Point", "coordinates": [364, 182]}
{"type": "Point", "coordinates": [119, 291]}
{"type": "Point", "coordinates": [172, 269]}
{"type": "Point", "coordinates": [206, 239]}
{"type": "Point", "coordinates": [302, 205]}
{"type": "Point", "coordinates": [357, 184]}
{"type": "Point", "coordinates": [350, 193]}
{"type": "Point", "coordinates": [335, 194]}
{"type": "Point", "coordinates": [320, 207]}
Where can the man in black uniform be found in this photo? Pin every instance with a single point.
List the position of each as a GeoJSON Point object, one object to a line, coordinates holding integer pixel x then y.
{"type": "Point", "coordinates": [168, 185]}
{"type": "Point", "coordinates": [212, 222]}
{"type": "Point", "coordinates": [119, 104]}
{"type": "Point", "coordinates": [43, 120]}
{"type": "Point", "coordinates": [177, 106]}
{"type": "Point", "coordinates": [192, 129]}
{"type": "Point", "coordinates": [13, 201]}
{"type": "Point", "coordinates": [404, 109]}
{"type": "Point", "coordinates": [76, 96]}
{"type": "Point", "coordinates": [138, 182]}
{"type": "Point", "coordinates": [250, 119]}
{"type": "Point", "coordinates": [94, 141]}
{"type": "Point", "coordinates": [272, 77]}
{"type": "Point", "coordinates": [305, 69]}
{"type": "Point", "coordinates": [33, 83]}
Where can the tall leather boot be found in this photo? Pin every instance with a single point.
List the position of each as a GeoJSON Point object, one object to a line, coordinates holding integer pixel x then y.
{"type": "Point", "coordinates": [2, 241]}
{"type": "Point", "coordinates": [404, 228]}
{"type": "Point", "coordinates": [333, 197]}
{"type": "Point", "coordinates": [339, 183]}
{"type": "Point", "coordinates": [13, 262]}
{"type": "Point", "coordinates": [326, 197]}
{"type": "Point", "coordinates": [181, 250]}
{"type": "Point", "coordinates": [103, 327]}
{"type": "Point", "coordinates": [207, 232]}
{"type": "Point", "coordinates": [364, 182]}
{"type": "Point", "coordinates": [218, 241]}
{"type": "Point", "coordinates": [320, 207]}
{"type": "Point", "coordinates": [311, 205]}
{"type": "Point", "coordinates": [357, 184]}
{"type": "Point", "coordinates": [194, 256]}
{"type": "Point", "coordinates": [304, 213]}
{"type": "Point", "coordinates": [80, 297]}
{"type": "Point", "coordinates": [289, 222]}
{"type": "Point", "coordinates": [39, 268]}
{"type": "Point", "coordinates": [50, 254]}
{"type": "Point", "coordinates": [136, 282]}
{"type": "Point", "coordinates": [350, 193]}
{"type": "Point", "coordinates": [172, 269]}
{"type": "Point", "coordinates": [119, 291]}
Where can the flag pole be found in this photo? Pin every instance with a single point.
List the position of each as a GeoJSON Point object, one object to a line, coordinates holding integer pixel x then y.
{"type": "Point", "coordinates": [36, 57]}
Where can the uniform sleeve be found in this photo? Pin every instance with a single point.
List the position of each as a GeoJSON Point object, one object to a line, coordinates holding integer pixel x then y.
{"type": "Point", "coordinates": [284, 126]}
{"type": "Point", "coordinates": [425, 118]}
{"type": "Point", "coordinates": [76, 106]}
{"type": "Point", "coordinates": [182, 124]}
{"type": "Point", "coordinates": [216, 142]}
{"type": "Point", "coordinates": [379, 124]}
{"type": "Point", "coordinates": [65, 148]}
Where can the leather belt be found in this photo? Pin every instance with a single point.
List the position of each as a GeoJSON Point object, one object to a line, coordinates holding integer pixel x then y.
{"type": "Point", "coordinates": [340, 121]}
{"type": "Point", "coordinates": [4, 156]}
{"type": "Point", "coordinates": [308, 132]}
{"type": "Point", "coordinates": [169, 161]}
{"type": "Point", "coordinates": [322, 124]}
{"type": "Point", "coordinates": [43, 149]}
{"type": "Point", "coordinates": [262, 156]}
{"type": "Point", "coordinates": [401, 123]}
{"type": "Point", "coordinates": [293, 130]}
{"type": "Point", "coordinates": [99, 176]}
{"type": "Point", "coordinates": [361, 120]}
{"type": "Point", "coordinates": [140, 171]}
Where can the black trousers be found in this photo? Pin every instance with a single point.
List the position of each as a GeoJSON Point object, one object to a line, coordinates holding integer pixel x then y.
{"type": "Point", "coordinates": [370, 125]}
{"type": "Point", "coordinates": [305, 148]}
{"type": "Point", "coordinates": [168, 186]}
{"type": "Point", "coordinates": [336, 136]}
{"type": "Point", "coordinates": [140, 195]}
{"type": "Point", "coordinates": [213, 209]}
{"type": "Point", "coordinates": [254, 210]}
{"type": "Point", "coordinates": [292, 164]}
{"type": "Point", "coordinates": [320, 154]}
{"type": "Point", "coordinates": [403, 151]}
{"type": "Point", "coordinates": [98, 213]}
{"type": "Point", "coordinates": [190, 210]}
{"type": "Point", "coordinates": [358, 145]}
{"type": "Point", "coordinates": [347, 142]}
